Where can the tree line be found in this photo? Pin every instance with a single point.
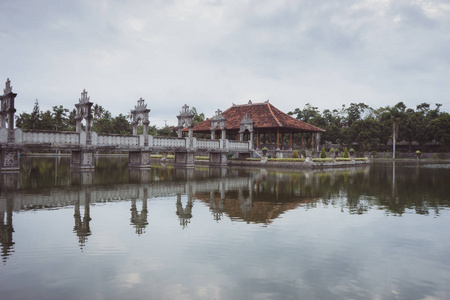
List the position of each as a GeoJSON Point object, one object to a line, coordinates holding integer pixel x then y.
{"type": "Point", "coordinates": [367, 128]}
{"type": "Point", "coordinates": [62, 119]}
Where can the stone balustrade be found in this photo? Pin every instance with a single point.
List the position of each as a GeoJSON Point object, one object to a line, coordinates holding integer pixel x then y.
{"type": "Point", "coordinates": [164, 142]}
{"type": "Point", "coordinates": [116, 140]}
{"type": "Point", "coordinates": [63, 138]}
{"type": "Point", "coordinates": [237, 145]}
{"type": "Point", "coordinates": [208, 144]}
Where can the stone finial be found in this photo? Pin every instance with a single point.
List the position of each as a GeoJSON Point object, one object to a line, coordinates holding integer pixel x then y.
{"type": "Point", "coordinates": [84, 98]}
{"type": "Point", "coordinates": [249, 101]}
{"type": "Point", "coordinates": [140, 104]}
{"type": "Point", "coordinates": [8, 87]}
{"type": "Point", "coordinates": [218, 112]}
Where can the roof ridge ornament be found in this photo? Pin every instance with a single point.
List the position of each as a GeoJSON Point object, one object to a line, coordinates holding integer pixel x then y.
{"type": "Point", "coordinates": [8, 87]}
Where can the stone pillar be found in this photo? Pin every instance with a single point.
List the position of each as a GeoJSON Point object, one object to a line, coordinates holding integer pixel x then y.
{"type": "Point", "coordinates": [224, 133]}
{"type": "Point", "coordinates": [218, 158]}
{"type": "Point", "coordinates": [82, 159]}
{"type": "Point", "coordinates": [213, 134]}
{"type": "Point", "coordinates": [8, 110]}
{"type": "Point", "coordinates": [139, 159]}
{"type": "Point", "coordinates": [10, 159]}
{"type": "Point", "coordinates": [146, 123]}
{"type": "Point", "coordinates": [185, 158]}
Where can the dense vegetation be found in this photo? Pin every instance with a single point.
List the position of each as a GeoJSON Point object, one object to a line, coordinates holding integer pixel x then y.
{"type": "Point", "coordinates": [371, 128]}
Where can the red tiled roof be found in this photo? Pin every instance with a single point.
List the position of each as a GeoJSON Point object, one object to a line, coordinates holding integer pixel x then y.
{"type": "Point", "coordinates": [264, 116]}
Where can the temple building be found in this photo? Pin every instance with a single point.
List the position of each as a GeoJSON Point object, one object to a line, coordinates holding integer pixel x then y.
{"type": "Point", "coordinates": [263, 123]}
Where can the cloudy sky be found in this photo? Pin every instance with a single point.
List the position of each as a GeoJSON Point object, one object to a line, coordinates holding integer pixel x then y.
{"type": "Point", "coordinates": [211, 53]}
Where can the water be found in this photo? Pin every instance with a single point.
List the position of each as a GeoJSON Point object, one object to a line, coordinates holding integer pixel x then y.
{"type": "Point", "coordinates": [375, 232]}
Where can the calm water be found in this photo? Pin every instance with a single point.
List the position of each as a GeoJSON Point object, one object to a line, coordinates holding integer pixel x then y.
{"type": "Point", "coordinates": [362, 233]}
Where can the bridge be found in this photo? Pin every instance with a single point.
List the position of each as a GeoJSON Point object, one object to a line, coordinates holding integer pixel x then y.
{"type": "Point", "coordinates": [83, 144]}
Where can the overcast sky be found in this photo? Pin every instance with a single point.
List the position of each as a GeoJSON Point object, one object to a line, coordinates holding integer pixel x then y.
{"type": "Point", "coordinates": [210, 54]}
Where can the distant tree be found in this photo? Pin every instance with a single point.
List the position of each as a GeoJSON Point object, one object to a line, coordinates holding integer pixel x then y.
{"type": "Point", "coordinates": [198, 117]}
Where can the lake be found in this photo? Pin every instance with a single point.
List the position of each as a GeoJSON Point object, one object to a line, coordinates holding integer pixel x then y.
{"type": "Point", "coordinates": [374, 232]}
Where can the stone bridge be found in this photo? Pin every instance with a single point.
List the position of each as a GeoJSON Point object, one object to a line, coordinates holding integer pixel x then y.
{"type": "Point", "coordinates": [83, 144]}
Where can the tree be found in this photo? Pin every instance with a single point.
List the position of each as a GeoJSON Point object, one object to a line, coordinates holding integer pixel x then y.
{"type": "Point", "coordinates": [198, 117]}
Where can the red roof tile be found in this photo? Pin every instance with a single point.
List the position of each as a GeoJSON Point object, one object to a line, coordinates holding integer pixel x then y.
{"type": "Point", "coordinates": [264, 116]}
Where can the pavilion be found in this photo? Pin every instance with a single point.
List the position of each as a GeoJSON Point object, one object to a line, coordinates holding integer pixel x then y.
{"type": "Point", "coordinates": [271, 126]}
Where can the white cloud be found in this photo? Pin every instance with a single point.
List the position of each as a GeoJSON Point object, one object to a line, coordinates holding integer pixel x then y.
{"type": "Point", "coordinates": [209, 54]}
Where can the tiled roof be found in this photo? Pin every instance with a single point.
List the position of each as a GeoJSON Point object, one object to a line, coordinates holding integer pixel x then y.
{"type": "Point", "coordinates": [264, 116]}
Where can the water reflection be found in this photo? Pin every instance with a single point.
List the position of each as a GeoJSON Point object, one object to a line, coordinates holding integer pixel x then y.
{"type": "Point", "coordinates": [256, 196]}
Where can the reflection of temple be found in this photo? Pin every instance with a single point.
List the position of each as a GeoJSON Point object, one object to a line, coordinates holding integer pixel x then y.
{"type": "Point", "coordinates": [6, 228]}
{"type": "Point", "coordinates": [184, 214]}
{"type": "Point", "coordinates": [139, 220]}
{"type": "Point", "coordinates": [81, 227]}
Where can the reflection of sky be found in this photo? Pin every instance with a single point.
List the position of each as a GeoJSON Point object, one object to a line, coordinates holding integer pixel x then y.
{"type": "Point", "coordinates": [319, 253]}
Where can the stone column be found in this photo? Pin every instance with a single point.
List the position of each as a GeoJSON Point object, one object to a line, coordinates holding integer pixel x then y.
{"type": "Point", "coordinates": [146, 123]}
{"type": "Point", "coordinates": [213, 134]}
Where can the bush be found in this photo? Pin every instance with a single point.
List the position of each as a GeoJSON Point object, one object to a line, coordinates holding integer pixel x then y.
{"type": "Point", "coordinates": [295, 154]}
{"type": "Point", "coordinates": [326, 159]}
{"type": "Point", "coordinates": [303, 152]}
{"type": "Point", "coordinates": [435, 156]}
{"type": "Point", "coordinates": [323, 153]}
{"type": "Point", "coordinates": [346, 155]}
{"type": "Point", "coordinates": [264, 149]}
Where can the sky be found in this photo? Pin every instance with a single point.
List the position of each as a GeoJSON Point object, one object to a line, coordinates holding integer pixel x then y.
{"type": "Point", "coordinates": [210, 54]}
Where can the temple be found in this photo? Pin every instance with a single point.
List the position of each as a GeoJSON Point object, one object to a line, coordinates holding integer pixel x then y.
{"type": "Point", "coordinates": [262, 123]}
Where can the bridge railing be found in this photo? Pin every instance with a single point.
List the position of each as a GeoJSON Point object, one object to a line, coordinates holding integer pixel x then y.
{"type": "Point", "coordinates": [238, 145]}
{"type": "Point", "coordinates": [115, 140]}
{"type": "Point", "coordinates": [165, 142]}
{"type": "Point", "coordinates": [63, 138]}
{"type": "Point", "coordinates": [208, 144]}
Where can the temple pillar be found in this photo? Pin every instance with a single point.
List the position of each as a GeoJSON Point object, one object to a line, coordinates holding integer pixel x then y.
{"type": "Point", "coordinates": [301, 140]}
{"type": "Point", "coordinates": [290, 141]}
{"type": "Point", "coordinates": [278, 138]}
{"type": "Point", "coordinates": [257, 139]}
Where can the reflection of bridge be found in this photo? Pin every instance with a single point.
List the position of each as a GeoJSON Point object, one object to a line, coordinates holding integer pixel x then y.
{"type": "Point", "coordinates": [83, 144]}
{"type": "Point", "coordinates": [82, 196]}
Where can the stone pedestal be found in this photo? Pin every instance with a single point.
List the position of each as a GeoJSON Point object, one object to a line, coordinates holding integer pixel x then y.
{"type": "Point", "coordinates": [9, 159]}
{"type": "Point", "coordinates": [139, 159]}
{"type": "Point", "coordinates": [185, 159]}
{"type": "Point", "coordinates": [218, 159]}
{"type": "Point", "coordinates": [82, 159]}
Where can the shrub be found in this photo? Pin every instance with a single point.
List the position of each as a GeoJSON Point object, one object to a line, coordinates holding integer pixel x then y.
{"type": "Point", "coordinates": [264, 149]}
{"type": "Point", "coordinates": [346, 155]}
{"type": "Point", "coordinates": [303, 152]}
{"type": "Point", "coordinates": [295, 154]}
{"type": "Point", "coordinates": [343, 159]}
{"type": "Point", "coordinates": [435, 156]}
{"type": "Point", "coordinates": [323, 153]}
{"type": "Point", "coordinates": [326, 159]}
{"type": "Point", "coordinates": [351, 150]}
